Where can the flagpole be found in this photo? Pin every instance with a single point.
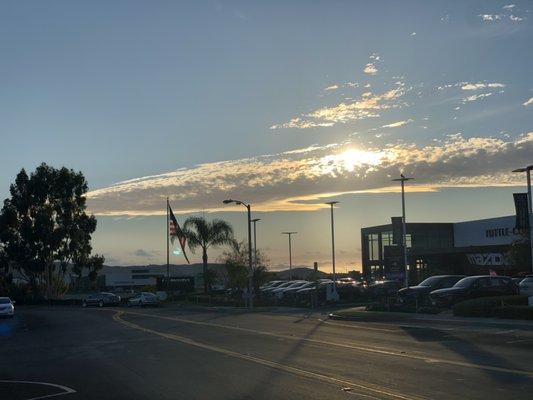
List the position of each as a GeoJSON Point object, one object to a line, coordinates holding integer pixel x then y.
{"type": "Point", "coordinates": [168, 260]}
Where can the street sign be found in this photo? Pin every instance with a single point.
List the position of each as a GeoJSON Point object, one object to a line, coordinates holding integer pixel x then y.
{"type": "Point", "coordinates": [397, 230]}
{"type": "Point", "coordinates": [522, 210]}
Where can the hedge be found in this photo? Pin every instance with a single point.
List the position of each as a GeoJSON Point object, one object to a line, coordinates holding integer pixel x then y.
{"type": "Point", "coordinates": [515, 312]}
{"type": "Point", "coordinates": [487, 306]}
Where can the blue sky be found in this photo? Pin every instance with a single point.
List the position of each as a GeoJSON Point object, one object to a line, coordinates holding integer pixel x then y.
{"type": "Point", "coordinates": [284, 104]}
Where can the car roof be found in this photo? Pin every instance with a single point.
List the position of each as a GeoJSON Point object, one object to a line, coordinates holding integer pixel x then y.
{"type": "Point", "coordinates": [5, 298]}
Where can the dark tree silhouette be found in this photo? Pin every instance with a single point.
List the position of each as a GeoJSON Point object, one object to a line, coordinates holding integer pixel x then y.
{"type": "Point", "coordinates": [204, 234]}
{"type": "Point", "coordinates": [44, 226]}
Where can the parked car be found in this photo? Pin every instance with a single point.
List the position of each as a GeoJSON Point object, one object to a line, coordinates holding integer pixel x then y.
{"type": "Point", "coordinates": [384, 288]}
{"type": "Point", "coordinates": [472, 287]}
{"type": "Point", "coordinates": [143, 299]}
{"type": "Point", "coordinates": [270, 284]}
{"type": "Point", "coordinates": [101, 299]}
{"type": "Point", "coordinates": [305, 295]}
{"type": "Point", "coordinates": [420, 293]}
{"type": "Point", "coordinates": [7, 307]}
{"type": "Point", "coordinates": [290, 293]}
{"type": "Point", "coordinates": [268, 291]}
{"type": "Point", "coordinates": [278, 293]}
{"type": "Point", "coordinates": [526, 286]}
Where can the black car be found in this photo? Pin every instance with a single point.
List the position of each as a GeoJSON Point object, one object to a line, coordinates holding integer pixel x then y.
{"type": "Point", "coordinates": [384, 288]}
{"type": "Point", "coordinates": [419, 294]}
{"type": "Point", "coordinates": [473, 287]}
{"type": "Point", "coordinates": [101, 299]}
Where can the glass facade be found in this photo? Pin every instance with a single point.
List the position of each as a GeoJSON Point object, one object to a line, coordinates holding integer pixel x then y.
{"type": "Point", "coordinates": [420, 238]}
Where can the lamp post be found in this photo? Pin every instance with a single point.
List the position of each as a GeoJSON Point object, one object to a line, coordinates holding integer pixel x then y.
{"type": "Point", "coordinates": [255, 241]}
{"type": "Point", "coordinates": [527, 170]}
{"type": "Point", "coordinates": [331, 204]}
{"type": "Point", "coordinates": [250, 266]}
{"type": "Point", "coordinates": [403, 179]}
{"type": "Point", "coordinates": [289, 234]}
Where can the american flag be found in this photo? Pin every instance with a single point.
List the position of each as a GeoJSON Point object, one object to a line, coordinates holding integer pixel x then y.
{"type": "Point", "coordinates": [175, 231]}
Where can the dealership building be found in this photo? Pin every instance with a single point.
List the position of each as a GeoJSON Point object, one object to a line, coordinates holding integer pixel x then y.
{"type": "Point", "coordinates": [466, 248]}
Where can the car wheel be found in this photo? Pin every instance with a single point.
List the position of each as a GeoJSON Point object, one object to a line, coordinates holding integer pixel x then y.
{"type": "Point", "coordinates": [100, 303]}
{"type": "Point", "coordinates": [140, 303]}
{"type": "Point", "coordinates": [84, 304]}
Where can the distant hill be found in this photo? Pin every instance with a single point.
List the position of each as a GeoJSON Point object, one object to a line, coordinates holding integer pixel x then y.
{"type": "Point", "coordinates": [299, 273]}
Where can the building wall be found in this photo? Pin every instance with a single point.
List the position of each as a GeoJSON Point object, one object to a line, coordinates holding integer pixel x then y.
{"type": "Point", "coordinates": [486, 232]}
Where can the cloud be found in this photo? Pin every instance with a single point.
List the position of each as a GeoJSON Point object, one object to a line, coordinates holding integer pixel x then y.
{"type": "Point", "coordinates": [528, 102]}
{"type": "Point", "coordinates": [301, 124]}
{"type": "Point", "coordinates": [301, 178]}
{"type": "Point", "coordinates": [412, 34]}
{"type": "Point", "coordinates": [481, 85]}
{"type": "Point", "coordinates": [475, 97]}
{"type": "Point", "coordinates": [143, 253]}
{"type": "Point", "coordinates": [332, 87]}
{"type": "Point", "coordinates": [490, 17]}
{"type": "Point", "coordinates": [397, 124]}
{"type": "Point", "coordinates": [514, 18]}
{"type": "Point", "coordinates": [366, 106]}
{"type": "Point", "coordinates": [370, 69]}
{"type": "Point", "coordinates": [509, 7]}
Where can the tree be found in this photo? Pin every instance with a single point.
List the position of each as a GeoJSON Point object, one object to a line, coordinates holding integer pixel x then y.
{"type": "Point", "coordinates": [204, 234]}
{"type": "Point", "coordinates": [236, 260]}
{"type": "Point", "coordinates": [520, 254]}
{"type": "Point", "coordinates": [44, 226]}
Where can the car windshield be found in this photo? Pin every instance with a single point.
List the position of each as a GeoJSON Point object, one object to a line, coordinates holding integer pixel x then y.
{"type": "Point", "coordinates": [434, 280]}
{"type": "Point", "coordinates": [5, 301]}
{"type": "Point", "coordinates": [466, 282]}
{"type": "Point", "coordinates": [150, 295]}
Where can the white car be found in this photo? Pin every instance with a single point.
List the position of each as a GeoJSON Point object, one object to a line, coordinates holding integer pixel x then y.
{"type": "Point", "coordinates": [7, 307]}
{"type": "Point", "coordinates": [526, 286]}
{"type": "Point", "coordinates": [143, 299]}
{"type": "Point", "coordinates": [278, 293]}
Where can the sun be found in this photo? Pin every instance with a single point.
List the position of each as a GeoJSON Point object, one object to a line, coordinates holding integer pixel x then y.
{"type": "Point", "coordinates": [352, 158]}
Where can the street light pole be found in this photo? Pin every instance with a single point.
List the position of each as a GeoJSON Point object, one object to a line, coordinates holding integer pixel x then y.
{"type": "Point", "coordinates": [527, 170]}
{"type": "Point", "coordinates": [255, 241]}
{"type": "Point", "coordinates": [289, 234]}
{"type": "Point", "coordinates": [402, 179]}
{"type": "Point", "coordinates": [250, 264]}
{"type": "Point", "coordinates": [332, 203]}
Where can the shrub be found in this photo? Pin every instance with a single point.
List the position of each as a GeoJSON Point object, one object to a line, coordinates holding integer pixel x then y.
{"type": "Point", "coordinates": [486, 306]}
{"type": "Point", "coordinates": [515, 312]}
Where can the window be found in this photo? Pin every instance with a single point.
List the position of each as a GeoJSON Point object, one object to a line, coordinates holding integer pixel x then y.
{"type": "Point", "coordinates": [373, 246]}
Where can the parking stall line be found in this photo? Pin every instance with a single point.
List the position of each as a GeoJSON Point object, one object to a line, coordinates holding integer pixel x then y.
{"type": "Point", "coordinates": [272, 364]}
{"type": "Point", "coordinates": [381, 351]}
{"type": "Point", "coordinates": [65, 389]}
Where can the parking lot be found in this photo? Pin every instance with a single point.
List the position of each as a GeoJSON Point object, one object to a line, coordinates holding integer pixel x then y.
{"type": "Point", "coordinates": [176, 352]}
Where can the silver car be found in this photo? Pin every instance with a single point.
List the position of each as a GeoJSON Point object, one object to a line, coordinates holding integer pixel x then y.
{"type": "Point", "coordinates": [526, 286]}
{"type": "Point", "coordinates": [7, 307]}
{"type": "Point", "coordinates": [143, 299]}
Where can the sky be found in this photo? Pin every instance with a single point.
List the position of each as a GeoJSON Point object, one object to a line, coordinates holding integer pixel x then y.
{"type": "Point", "coordinates": [282, 104]}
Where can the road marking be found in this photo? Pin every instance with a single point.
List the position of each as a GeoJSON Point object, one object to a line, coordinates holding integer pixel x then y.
{"type": "Point", "coordinates": [381, 351]}
{"type": "Point", "coordinates": [66, 389]}
{"type": "Point", "coordinates": [357, 326]}
{"type": "Point", "coordinates": [272, 364]}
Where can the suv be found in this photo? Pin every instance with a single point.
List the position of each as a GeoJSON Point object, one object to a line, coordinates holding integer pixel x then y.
{"type": "Point", "coordinates": [420, 293]}
{"type": "Point", "coordinates": [472, 287]}
{"type": "Point", "coordinates": [101, 299]}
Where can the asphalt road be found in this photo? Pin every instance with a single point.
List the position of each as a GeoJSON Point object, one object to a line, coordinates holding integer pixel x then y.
{"type": "Point", "coordinates": [178, 353]}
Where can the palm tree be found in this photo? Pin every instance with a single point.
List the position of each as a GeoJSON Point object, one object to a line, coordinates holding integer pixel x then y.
{"type": "Point", "coordinates": [204, 234]}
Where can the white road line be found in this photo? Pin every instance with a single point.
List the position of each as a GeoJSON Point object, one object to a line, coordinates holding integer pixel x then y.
{"type": "Point", "coordinates": [381, 351]}
{"type": "Point", "coordinates": [272, 364]}
{"type": "Point", "coordinates": [66, 389]}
